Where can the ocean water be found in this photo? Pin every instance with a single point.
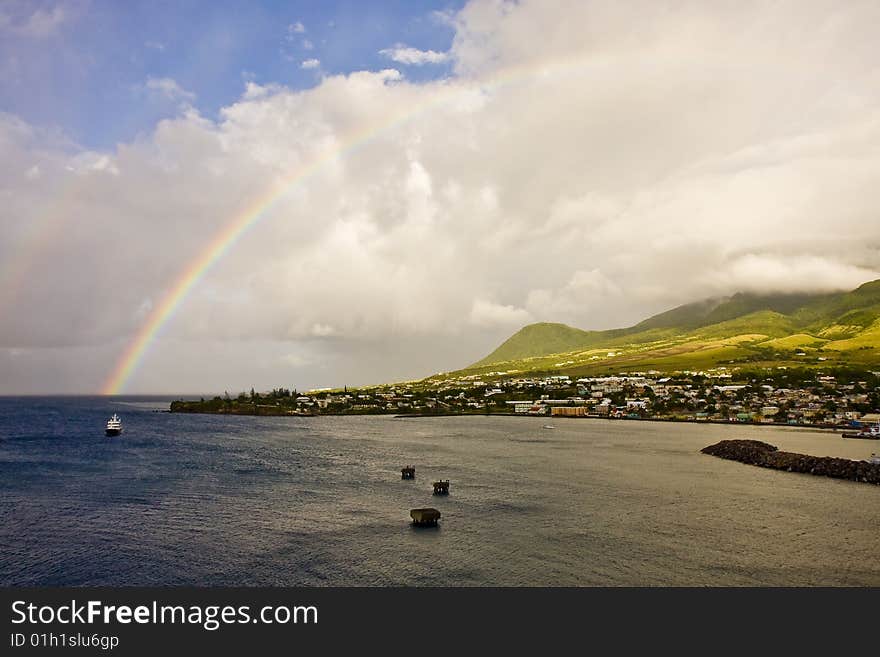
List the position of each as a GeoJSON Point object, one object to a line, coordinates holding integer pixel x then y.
{"type": "Point", "coordinates": [212, 500]}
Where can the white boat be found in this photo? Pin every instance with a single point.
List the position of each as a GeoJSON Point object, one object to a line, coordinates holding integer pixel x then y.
{"type": "Point", "coordinates": [549, 426]}
{"type": "Point", "coordinates": [875, 459]}
{"type": "Point", "coordinates": [114, 426]}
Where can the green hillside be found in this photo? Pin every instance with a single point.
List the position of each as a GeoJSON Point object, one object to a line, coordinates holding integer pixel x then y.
{"type": "Point", "coordinates": [861, 308]}
{"type": "Point", "coordinates": [539, 340]}
{"type": "Point", "coordinates": [840, 329]}
{"type": "Point", "coordinates": [712, 311]}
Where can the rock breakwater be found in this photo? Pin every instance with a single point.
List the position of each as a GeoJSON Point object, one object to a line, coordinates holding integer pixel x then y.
{"type": "Point", "coordinates": [765, 455]}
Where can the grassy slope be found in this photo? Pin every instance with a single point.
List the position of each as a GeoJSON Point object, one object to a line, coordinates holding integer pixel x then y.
{"type": "Point", "coordinates": [861, 308]}
{"type": "Point", "coordinates": [539, 340]}
{"type": "Point", "coordinates": [832, 329]}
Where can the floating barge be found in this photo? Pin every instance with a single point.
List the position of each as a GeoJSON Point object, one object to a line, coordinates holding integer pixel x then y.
{"type": "Point", "coordinates": [425, 517]}
{"type": "Point", "coordinates": [408, 472]}
{"type": "Point", "coordinates": [864, 435]}
{"type": "Point", "coordinates": [867, 433]}
{"type": "Point", "coordinates": [441, 487]}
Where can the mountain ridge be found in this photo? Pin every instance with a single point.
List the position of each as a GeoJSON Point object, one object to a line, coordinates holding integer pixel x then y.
{"type": "Point", "coordinates": [742, 328]}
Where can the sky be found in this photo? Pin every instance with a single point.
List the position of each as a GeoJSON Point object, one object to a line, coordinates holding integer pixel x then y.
{"type": "Point", "coordinates": [207, 196]}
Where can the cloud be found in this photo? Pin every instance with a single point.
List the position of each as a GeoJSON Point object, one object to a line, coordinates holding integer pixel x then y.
{"type": "Point", "coordinates": [444, 17]}
{"type": "Point", "coordinates": [39, 24]}
{"type": "Point", "coordinates": [646, 157]}
{"type": "Point", "coordinates": [585, 292]}
{"type": "Point", "coordinates": [252, 90]}
{"type": "Point", "coordinates": [307, 45]}
{"type": "Point", "coordinates": [155, 45]}
{"type": "Point", "coordinates": [322, 330]}
{"type": "Point", "coordinates": [487, 314]}
{"type": "Point", "coordinates": [89, 161]}
{"type": "Point", "coordinates": [297, 360]}
{"type": "Point", "coordinates": [296, 28]}
{"type": "Point", "coordinates": [310, 64]}
{"type": "Point", "coordinates": [168, 89]}
{"type": "Point", "coordinates": [413, 56]}
{"type": "Point", "coordinates": [792, 272]}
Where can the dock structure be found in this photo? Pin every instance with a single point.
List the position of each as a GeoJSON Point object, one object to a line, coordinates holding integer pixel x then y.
{"type": "Point", "coordinates": [408, 472]}
{"type": "Point", "coordinates": [425, 517]}
{"type": "Point", "coordinates": [441, 487]}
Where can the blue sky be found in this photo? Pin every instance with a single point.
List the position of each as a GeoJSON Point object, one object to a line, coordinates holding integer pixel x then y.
{"type": "Point", "coordinates": [85, 67]}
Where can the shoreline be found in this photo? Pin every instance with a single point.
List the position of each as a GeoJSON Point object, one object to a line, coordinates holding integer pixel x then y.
{"type": "Point", "coordinates": [403, 416]}
{"type": "Point", "coordinates": [824, 429]}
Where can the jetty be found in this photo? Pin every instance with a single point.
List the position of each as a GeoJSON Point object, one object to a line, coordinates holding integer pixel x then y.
{"type": "Point", "coordinates": [441, 487]}
{"type": "Point", "coordinates": [408, 472]}
{"type": "Point", "coordinates": [425, 517]}
{"type": "Point", "coordinates": [755, 452]}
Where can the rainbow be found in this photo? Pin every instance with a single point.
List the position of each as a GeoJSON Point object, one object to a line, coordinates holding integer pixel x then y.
{"type": "Point", "coordinates": [226, 239]}
{"type": "Point", "coordinates": [189, 277]}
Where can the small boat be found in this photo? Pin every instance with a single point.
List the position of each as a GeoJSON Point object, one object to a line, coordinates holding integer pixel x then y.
{"type": "Point", "coordinates": [867, 433]}
{"type": "Point", "coordinates": [424, 517]}
{"type": "Point", "coordinates": [408, 472]}
{"type": "Point", "coordinates": [441, 487]}
{"type": "Point", "coordinates": [549, 426]}
{"type": "Point", "coordinates": [114, 426]}
{"type": "Point", "coordinates": [875, 459]}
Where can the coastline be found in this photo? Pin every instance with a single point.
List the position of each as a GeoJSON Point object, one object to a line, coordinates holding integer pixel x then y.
{"type": "Point", "coordinates": [823, 429]}
{"type": "Point", "coordinates": [269, 411]}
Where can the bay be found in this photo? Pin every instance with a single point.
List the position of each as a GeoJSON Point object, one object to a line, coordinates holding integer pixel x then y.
{"type": "Point", "coordinates": [261, 501]}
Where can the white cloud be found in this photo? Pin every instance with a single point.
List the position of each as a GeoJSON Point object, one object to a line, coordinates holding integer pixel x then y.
{"type": "Point", "coordinates": [319, 330]}
{"type": "Point", "coordinates": [90, 161]}
{"type": "Point", "coordinates": [310, 64]}
{"type": "Point", "coordinates": [39, 24]}
{"type": "Point", "coordinates": [168, 89]}
{"type": "Point", "coordinates": [413, 56]}
{"type": "Point", "coordinates": [646, 157]}
{"type": "Point", "coordinates": [791, 272]}
{"type": "Point", "coordinates": [487, 314]}
{"type": "Point", "coordinates": [252, 90]}
{"type": "Point", "coordinates": [155, 45]}
{"type": "Point", "coordinates": [296, 28]}
{"type": "Point", "coordinates": [297, 360]}
{"type": "Point", "coordinates": [444, 17]}
{"type": "Point", "coordinates": [307, 45]}
{"type": "Point", "coordinates": [585, 293]}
